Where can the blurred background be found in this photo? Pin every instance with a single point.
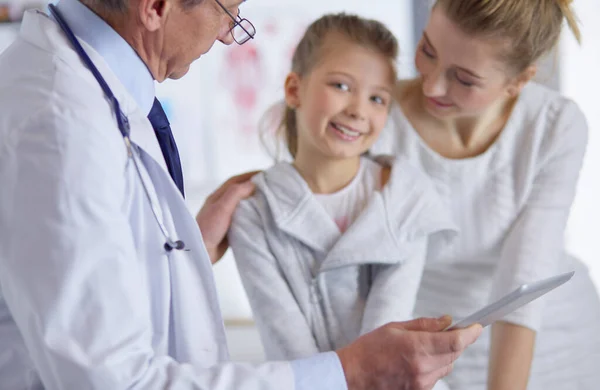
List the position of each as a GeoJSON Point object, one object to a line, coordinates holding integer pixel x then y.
{"type": "Point", "coordinates": [216, 109]}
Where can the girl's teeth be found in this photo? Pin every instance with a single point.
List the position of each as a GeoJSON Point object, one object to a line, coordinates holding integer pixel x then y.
{"type": "Point", "coordinates": [347, 131]}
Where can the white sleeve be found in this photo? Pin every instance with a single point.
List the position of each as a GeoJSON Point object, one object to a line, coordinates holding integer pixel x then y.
{"type": "Point", "coordinates": [69, 271]}
{"type": "Point", "coordinates": [282, 325]}
{"type": "Point", "coordinates": [534, 247]}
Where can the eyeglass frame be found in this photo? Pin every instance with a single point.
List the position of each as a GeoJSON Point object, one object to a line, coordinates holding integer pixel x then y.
{"type": "Point", "coordinates": [237, 22]}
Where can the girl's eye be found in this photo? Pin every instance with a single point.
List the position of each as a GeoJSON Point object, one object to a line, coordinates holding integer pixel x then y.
{"type": "Point", "coordinates": [378, 100]}
{"type": "Point", "coordinates": [341, 86]}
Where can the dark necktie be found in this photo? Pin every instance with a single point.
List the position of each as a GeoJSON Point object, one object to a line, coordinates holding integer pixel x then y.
{"type": "Point", "coordinates": [162, 129]}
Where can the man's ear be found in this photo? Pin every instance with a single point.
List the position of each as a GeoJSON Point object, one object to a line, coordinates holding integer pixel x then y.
{"type": "Point", "coordinates": [153, 13]}
{"type": "Point", "coordinates": [292, 90]}
{"type": "Point", "coordinates": [515, 87]}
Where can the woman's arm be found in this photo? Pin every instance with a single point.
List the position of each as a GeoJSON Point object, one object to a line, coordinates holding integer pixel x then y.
{"type": "Point", "coordinates": [284, 330]}
{"type": "Point", "coordinates": [534, 247]}
{"type": "Point", "coordinates": [510, 356]}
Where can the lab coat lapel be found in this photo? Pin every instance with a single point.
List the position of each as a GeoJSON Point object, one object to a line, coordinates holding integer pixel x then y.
{"type": "Point", "coordinates": [142, 134]}
{"type": "Point", "coordinates": [193, 289]}
{"type": "Point", "coordinates": [46, 33]}
{"type": "Point", "coordinates": [295, 210]}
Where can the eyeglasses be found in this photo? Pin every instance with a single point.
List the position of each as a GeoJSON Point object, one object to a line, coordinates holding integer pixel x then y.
{"type": "Point", "coordinates": [241, 29]}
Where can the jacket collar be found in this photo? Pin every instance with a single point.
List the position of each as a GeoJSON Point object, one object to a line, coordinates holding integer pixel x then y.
{"type": "Point", "coordinates": [294, 208]}
{"type": "Point", "coordinates": [407, 208]}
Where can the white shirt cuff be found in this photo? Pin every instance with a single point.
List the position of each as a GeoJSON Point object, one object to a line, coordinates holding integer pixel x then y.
{"type": "Point", "coordinates": [320, 372]}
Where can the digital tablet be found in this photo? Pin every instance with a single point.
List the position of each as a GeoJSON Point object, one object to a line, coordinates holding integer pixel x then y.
{"type": "Point", "coordinates": [511, 302]}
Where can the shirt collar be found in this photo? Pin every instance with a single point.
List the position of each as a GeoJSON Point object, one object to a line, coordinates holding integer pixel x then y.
{"type": "Point", "coordinates": [129, 68]}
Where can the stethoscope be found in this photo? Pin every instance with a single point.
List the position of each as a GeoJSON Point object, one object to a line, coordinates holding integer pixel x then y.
{"type": "Point", "coordinates": [122, 122]}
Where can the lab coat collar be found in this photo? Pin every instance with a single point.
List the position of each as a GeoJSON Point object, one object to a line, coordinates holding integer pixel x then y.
{"type": "Point", "coordinates": [42, 31]}
{"type": "Point", "coordinates": [121, 58]}
{"type": "Point", "coordinates": [407, 208]}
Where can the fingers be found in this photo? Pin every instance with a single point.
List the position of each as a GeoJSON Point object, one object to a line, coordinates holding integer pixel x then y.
{"type": "Point", "coordinates": [428, 381]}
{"type": "Point", "coordinates": [428, 357]}
{"type": "Point", "coordinates": [243, 178]}
{"type": "Point", "coordinates": [426, 324]}
{"type": "Point", "coordinates": [444, 322]}
{"type": "Point", "coordinates": [465, 337]}
{"type": "Point", "coordinates": [436, 340]}
{"type": "Point", "coordinates": [233, 195]}
{"type": "Point", "coordinates": [432, 351]}
{"type": "Point", "coordinates": [413, 354]}
{"type": "Point", "coordinates": [471, 334]}
{"type": "Point", "coordinates": [446, 347]}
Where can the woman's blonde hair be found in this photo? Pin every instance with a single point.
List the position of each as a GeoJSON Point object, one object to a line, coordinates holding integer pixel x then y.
{"type": "Point", "coordinates": [531, 28]}
{"type": "Point", "coordinates": [365, 32]}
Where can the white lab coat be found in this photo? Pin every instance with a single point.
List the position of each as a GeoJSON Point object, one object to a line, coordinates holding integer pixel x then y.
{"type": "Point", "coordinates": [89, 299]}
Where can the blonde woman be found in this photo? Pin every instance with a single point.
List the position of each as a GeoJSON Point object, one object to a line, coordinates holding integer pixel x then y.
{"type": "Point", "coordinates": [505, 154]}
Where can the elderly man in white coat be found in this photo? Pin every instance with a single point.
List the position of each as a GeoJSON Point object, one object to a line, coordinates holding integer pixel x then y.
{"type": "Point", "coordinates": [105, 278]}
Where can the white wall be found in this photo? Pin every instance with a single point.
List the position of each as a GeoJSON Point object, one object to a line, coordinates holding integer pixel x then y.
{"type": "Point", "coordinates": [580, 80]}
{"type": "Point", "coordinates": [8, 32]}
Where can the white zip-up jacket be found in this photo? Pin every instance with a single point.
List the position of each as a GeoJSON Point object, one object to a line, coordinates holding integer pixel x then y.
{"type": "Point", "coordinates": [313, 289]}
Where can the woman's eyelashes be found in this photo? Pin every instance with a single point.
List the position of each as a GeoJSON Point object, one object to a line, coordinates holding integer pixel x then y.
{"type": "Point", "coordinates": [461, 81]}
{"type": "Point", "coordinates": [426, 51]}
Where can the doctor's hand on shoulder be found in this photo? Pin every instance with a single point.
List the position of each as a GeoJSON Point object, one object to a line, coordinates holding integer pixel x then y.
{"type": "Point", "coordinates": [214, 218]}
{"type": "Point", "coordinates": [405, 355]}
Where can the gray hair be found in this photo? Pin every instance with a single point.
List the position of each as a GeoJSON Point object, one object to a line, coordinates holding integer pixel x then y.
{"type": "Point", "coordinates": [121, 6]}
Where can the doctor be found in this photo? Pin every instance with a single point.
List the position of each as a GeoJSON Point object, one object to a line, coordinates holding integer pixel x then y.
{"type": "Point", "coordinates": [105, 279]}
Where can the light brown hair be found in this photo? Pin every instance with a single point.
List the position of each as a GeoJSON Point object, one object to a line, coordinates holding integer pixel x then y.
{"type": "Point", "coordinates": [530, 28]}
{"type": "Point", "coordinates": [365, 32]}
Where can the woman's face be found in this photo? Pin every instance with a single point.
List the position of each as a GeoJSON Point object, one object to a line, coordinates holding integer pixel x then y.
{"type": "Point", "coordinates": [461, 75]}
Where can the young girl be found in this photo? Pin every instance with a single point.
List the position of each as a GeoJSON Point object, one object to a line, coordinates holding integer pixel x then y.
{"type": "Point", "coordinates": [505, 155]}
{"type": "Point", "coordinates": [333, 244]}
